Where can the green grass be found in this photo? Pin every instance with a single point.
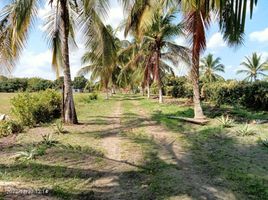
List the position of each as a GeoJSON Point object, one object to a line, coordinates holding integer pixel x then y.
{"type": "Point", "coordinates": [73, 168]}
{"type": "Point", "coordinates": [5, 106]}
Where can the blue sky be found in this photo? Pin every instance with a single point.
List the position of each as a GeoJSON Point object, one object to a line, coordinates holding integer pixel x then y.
{"type": "Point", "coordinates": [36, 58]}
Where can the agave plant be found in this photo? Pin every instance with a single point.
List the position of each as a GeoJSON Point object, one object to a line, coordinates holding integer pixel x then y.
{"type": "Point", "coordinates": [27, 155]}
{"type": "Point", "coordinates": [48, 140]}
{"type": "Point", "coordinates": [246, 131]}
{"type": "Point", "coordinates": [58, 128]}
{"type": "Point", "coordinates": [226, 121]}
{"type": "Point", "coordinates": [265, 142]}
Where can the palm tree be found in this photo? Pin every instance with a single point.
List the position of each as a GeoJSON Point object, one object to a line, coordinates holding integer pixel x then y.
{"type": "Point", "coordinates": [197, 14]}
{"type": "Point", "coordinates": [156, 47]}
{"type": "Point", "coordinates": [210, 68]}
{"type": "Point", "coordinates": [103, 63]}
{"type": "Point", "coordinates": [253, 67]}
{"type": "Point", "coordinates": [17, 18]}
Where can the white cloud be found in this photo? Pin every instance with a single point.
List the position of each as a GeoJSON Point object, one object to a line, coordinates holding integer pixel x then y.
{"type": "Point", "coordinates": [216, 41]}
{"type": "Point", "coordinates": [39, 64]}
{"type": "Point", "coordinates": [260, 36]}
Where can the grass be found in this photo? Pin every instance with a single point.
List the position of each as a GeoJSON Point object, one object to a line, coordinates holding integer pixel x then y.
{"type": "Point", "coordinates": [77, 166]}
{"type": "Point", "coordinates": [5, 106]}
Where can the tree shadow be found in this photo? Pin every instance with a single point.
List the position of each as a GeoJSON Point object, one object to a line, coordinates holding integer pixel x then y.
{"type": "Point", "coordinates": [229, 162]}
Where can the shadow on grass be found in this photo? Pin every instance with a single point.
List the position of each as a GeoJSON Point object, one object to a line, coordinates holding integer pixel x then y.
{"type": "Point", "coordinates": [220, 156]}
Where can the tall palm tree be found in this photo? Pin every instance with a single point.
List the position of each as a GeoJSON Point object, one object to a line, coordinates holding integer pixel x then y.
{"type": "Point", "coordinates": [103, 63]}
{"type": "Point", "coordinates": [18, 17]}
{"type": "Point", "coordinates": [210, 68]}
{"type": "Point", "coordinates": [156, 48]}
{"type": "Point", "coordinates": [159, 36]}
{"type": "Point", "coordinates": [253, 68]}
{"type": "Point", "coordinates": [231, 15]}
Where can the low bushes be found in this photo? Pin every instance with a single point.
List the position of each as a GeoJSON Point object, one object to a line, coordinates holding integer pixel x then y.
{"type": "Point", "coordinates": [89, 98]}
{"type": "Point", "coordinates": [10, 127]}
{"type": "Point", "coordinates": [250, 95]}
{"type": "Point", "coordinates": [35, 108]}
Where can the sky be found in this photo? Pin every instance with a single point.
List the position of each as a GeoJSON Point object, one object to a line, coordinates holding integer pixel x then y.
{"type": "Point", "coordinates": [36, 57]}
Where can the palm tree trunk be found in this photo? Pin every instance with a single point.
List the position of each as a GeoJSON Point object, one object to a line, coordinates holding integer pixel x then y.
{"type": "Point", "coordinates": [107, 93]}
{"type": "Point", "coordinates": [198, 111]}
{"type": "Point", "coordinates": [148, 90]}
{"type": "Point", "coordinates": [157, 76]}
{"type": "Point", "coordinates": [142, 90]}
{"type": "Point", "coordinates": [70, 116]}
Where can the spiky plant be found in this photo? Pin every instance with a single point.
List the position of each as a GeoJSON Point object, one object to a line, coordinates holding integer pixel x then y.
{"type": "Point", "coordinates": [226, 121]}
{"type": "Point", "coordinates": [245, 131]}
{"type": "Point", "coordinates": [27, 155]}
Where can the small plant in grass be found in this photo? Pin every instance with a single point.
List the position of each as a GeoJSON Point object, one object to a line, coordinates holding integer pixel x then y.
{"type": "Point", "coordinates": [27, 155]}
{"type": "Point", "coordinates": [79, 149]}
{"type": "Point", "coordinates": [226, 121]}
{"type": "Point", "coordinates": [48, 140]}
{"type": "Point", "coordinates": [89, 98]}
{"type": "Point", "coordinates": [58, 128]}
{"type": "Point", "coordinates": [10, 127]}
{"type": "Point", "coordinates": [246, 131]}
{"type": "Point", "coordinates": [265, 142]}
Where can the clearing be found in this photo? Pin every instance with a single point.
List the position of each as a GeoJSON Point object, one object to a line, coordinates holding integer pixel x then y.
{"type": "Point", "coordinates": [128, 148]}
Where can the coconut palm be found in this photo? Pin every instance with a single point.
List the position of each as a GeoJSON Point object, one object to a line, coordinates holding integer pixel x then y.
{"type": "Point", "coordinates": [254, 67]}
{"type": "Point", "coordinates": [103, 63]}
{"type": "Point", "coordinates": [210, 68]}
{"type": "Point", "coordinates": [156, 48]}
{"type": "Point", "coordinates": [17, 19]}
{"type": "Point", "coordinates": [197, 15]}
{"type": "Point", "coordinates": [158, 37]}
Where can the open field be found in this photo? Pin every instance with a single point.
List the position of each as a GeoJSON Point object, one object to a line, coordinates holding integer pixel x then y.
{"type": "Point", "coordinates": [128, 148]}
{"type": "Point", "coordinates": [5, 102]}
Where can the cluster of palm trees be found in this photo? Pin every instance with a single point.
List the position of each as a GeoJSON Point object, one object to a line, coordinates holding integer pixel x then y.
{"type": "Point", "coordinates": [148, 21]}
{"type": "Point", "coordinates": [253, 68]}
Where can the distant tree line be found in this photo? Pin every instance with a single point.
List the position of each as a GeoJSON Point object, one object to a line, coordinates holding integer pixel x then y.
{"type": "Point", "coordinates": [38, 84]}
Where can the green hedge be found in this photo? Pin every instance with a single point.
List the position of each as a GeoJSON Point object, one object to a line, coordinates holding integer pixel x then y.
{"type": "Point", "coordinates": [250, 95]}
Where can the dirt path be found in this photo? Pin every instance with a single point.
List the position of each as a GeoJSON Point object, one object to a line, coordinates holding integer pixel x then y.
{"type": "Point", "coordinates": [172, 151]}
{"type": "Point", "coordinates": [112, 143]}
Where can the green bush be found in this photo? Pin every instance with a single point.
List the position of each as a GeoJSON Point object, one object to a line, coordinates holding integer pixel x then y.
{"type": "Point", "coordinates": [250, 95]}
{"type": "Point", "coordinates": [89, 98]}
{"type": "Point", "coordinates": [35, 108]}
{"type": "Point", "coordinates": [178, 87]}
{"type": "Point", "coordinates": [10, 127]}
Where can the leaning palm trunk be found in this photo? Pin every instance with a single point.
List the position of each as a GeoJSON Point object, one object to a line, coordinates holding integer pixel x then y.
{"type": "Point", "coordinates": [69, 115]}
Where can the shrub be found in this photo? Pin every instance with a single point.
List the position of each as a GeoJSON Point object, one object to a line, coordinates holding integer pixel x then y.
{"type": "Point", "coordinates": [89, 98]}
{"type": "Point", "coordinates": [10, 127]}
{"type": "Point", "coordinates": [41, 107]}
{"type": "Point", "coordinates": [250, 95]}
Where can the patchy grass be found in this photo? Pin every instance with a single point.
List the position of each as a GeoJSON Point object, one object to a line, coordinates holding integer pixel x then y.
{"type": "Point", "coordinates": [239, 162]}
{"type": "Point", "coordinates": [77, 166]}
{"type": "Point", "coordinates": [5, 106]}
